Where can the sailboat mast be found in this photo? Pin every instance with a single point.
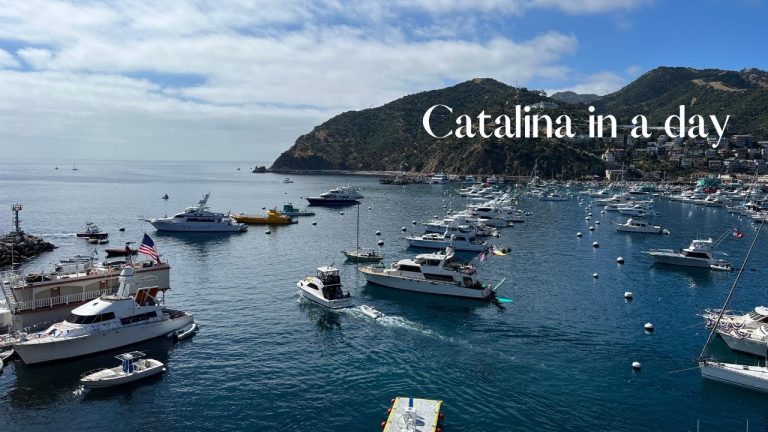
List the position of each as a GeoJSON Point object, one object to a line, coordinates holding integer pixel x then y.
{"type": "Point", "coordinates": [730, 293]}
{"type": "Point", "coordinates": [357, 239]}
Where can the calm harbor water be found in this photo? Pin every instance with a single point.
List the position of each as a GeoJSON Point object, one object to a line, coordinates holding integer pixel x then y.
{"type": "Point", "coordinates": [556, 358]}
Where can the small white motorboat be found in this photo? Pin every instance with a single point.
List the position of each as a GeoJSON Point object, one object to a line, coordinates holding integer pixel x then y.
{"type": "Point", "coordinates": [325, 289]}
{"type": "Point", "coordinates": [371, 312]}
{"type": "Point", "coordinates": [721, 267]}
{"type": "Point", "coordinates": [133, 367]}
{"type": "Point", "coordinates": [183, 333]}
{"type": "Point", "coordinates": [4, 356]}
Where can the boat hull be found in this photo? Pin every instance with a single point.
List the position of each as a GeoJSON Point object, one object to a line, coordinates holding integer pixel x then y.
{"type": "Point", "coordinates": [425, 286]}
{"type": "Point", "coordinates": [331, 202]}
{"type": "Point", "coordinates": [680, 261]}
{"type": "Point", "coordinates": [434, 244]}
{"type": "Point", "coordinates": [46, 349]}
{"type": "Point", "coordinates": [746, 345]}
{"type": "Point", "coordinates": [308, 294]}
{"type": "Point", "coordinates": [195, 227]}
{"type": "Point", "coordinates": [748, 377]}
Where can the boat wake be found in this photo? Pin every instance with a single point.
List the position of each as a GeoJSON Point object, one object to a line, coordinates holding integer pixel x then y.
{"type": "Point", "coordinates": [55, 235]}
{"type": "Point", "coordinates": [396, 322]}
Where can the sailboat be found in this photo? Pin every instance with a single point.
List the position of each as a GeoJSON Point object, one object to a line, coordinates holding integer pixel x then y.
{"type": "Point", "coordinates": [748, 377]}
{"type": "Point", "coordinates": [361, 255]}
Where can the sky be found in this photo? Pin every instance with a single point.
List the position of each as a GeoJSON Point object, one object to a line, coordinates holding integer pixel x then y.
{"type": "Point", "coordinates": [242, 79]}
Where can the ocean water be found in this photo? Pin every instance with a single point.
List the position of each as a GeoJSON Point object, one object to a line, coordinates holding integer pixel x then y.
{"type": "Point", "coordinates": [556, 358]}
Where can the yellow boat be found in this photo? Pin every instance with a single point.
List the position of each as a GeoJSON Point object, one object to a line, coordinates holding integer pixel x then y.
{"type": "Point", "coordinates": [273, 218]}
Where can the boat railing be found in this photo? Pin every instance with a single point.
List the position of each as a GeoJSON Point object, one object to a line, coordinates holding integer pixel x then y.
{"type": "Point", "coordinates": [55, 301]}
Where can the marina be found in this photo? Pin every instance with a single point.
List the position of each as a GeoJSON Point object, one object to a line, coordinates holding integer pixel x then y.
{"type": "Point", "coordinates": [257, 327]}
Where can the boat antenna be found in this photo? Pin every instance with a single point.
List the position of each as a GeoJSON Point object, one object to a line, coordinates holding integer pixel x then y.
{"type": "Point", "coordinates": [730, 293]}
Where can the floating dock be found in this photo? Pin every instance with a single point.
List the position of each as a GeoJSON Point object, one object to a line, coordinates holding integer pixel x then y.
{"type": "Point", "coordinates": [413, 414]}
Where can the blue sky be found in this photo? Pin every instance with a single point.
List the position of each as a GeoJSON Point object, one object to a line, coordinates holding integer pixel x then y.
{"type": "Point", "coordinates": [202, 79]}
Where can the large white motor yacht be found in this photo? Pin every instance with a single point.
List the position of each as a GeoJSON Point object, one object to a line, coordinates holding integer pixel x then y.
{"type": "Point", "coordinates": [198, 219]}
{"type": "Point", "coordinates": [640, 226]}
{"type": "Point", "coordinates": [459, 242]}
{"type": "Point", "coordinates": [439, 178]}
{"type": "Point", "coordinates": [325, 289]}
{"type": "Point", "coordinates": [109, 322]}
{"type": "Point", "coordinates": [340, 196]}
{"type": "Point", "coordinates": [742, 332]}
{"type": "Point", "coordinates": [700, 253]}
{"type": "Point", "coordinates": [433, 273]}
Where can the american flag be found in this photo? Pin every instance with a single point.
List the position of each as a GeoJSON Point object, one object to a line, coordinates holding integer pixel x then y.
{"type": "Point", "coordinates": [148, 248]}
{"type": "Point", "coordinates": [737, 233]}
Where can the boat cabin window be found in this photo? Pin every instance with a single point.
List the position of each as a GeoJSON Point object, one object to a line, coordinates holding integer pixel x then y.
{"type": "Point", "coordinates": [312, 285]}
{"type": "Point", "coordinates": [138, 318]}
{"type": "Point", "coordinates": [179, 216]}
{"type": "Point", "coordinates": [758, 317]}
{"type": "Point", "coordinates": [90, 319]}
{"type": "Point", "coordinates": [409, 268]}
{"type": "Point", "coordinates": [439, 277]}
{"type": "Point", "coordinates": [697, 255]}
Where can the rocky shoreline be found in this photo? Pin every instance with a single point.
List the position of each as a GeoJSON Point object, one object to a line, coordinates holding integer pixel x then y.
{"type": "Point", "coordinates": [24, 247]}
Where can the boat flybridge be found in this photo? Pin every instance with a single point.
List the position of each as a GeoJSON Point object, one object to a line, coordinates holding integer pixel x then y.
{"type": "Point", "coordinates": [111, 321]}
{"type": "Point", "coordinates": [700, 253]}
{"type": "Point", "coordinates": [198, 219]}
{"type": "Point", "coordinates": [431, 273]}
{"type": "Point", "coordinates": [325, 289]}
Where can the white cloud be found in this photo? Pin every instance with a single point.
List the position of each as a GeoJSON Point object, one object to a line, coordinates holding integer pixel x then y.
{"type": "Point", "coordinates": [38, 58]}
{"type": "Point", "coordinates": [600, 84]}
{"type": "Point", "coordinates": [7, 60]}
{"type": "Point", "coordinates": [259, 64]}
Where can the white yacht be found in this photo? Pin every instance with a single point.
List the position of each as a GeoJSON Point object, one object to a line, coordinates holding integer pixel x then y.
{"type": "Point", "coordinates": [700, 253]}
{"type": "Point", "coordinates": [742, 332]}
{"type": "Point", "coordinates": [640, 226]}
{"type": "Point", "coordinates": [109, 322]}
{"type": "Point", "coordinates": [459, 242]}
{"type": "Point", "coordinates": [749, 377]}
{"type": "Point", "coordinates": [341, 195]}
{"type": "Point", "coordinates": [133, 367]}
{"type": "Point", "coordinates": [433, 273]}
{"type": "Point", "coordinates": [439, 178]}
{"type": "Point", "coordinates": [198, 219]}
{"type": "Point", "coordinates": [325, 289]}
{"type": "Point", "coordinates": [287, 180]}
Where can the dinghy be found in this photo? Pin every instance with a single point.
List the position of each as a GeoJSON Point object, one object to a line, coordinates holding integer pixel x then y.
{"type": "Point", "coordinates": [133, 367]}
{"type": "Point", "coordinates": [183, 333]}
{"type": "Point", "coordinates": [371, 312]}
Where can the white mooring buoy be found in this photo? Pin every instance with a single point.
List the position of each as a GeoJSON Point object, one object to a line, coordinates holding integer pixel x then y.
{"type": "Point", "coordinates": [595, 245]}
{"type": "Point", "coordinates": [403, 229]}
{"type": "Point", "coordinates": [413, 222]}
{"type": "Point", "coordinates": [591, 228]}
{"type": "Point", "coordinates": [578, 234]}
{"type": "Point", "coordinates": [267, 232]}
{"type": "Point", "coordinates": [620, 260]}
{"type": "Point", "coordinates": [381, 243]}
{"type": "Point", "coordinates": [587, 218]}
{"type": "Point", "coordinates": [597, 222]}
{"type": "Point", "coordinates": [628, 295]}
{"type": "Point", "coordinates": [595, 275]}
{"type": "Point", "coordinates": [636, 365]}
{"type": "Point", "coordinates": [378, 232]}
{"type": "Point", "coordinates": [648, 327]}
{"type": "Point", "coordinates": [341, 213]}
{"type": "Point", "coordinates": [314, 222]}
